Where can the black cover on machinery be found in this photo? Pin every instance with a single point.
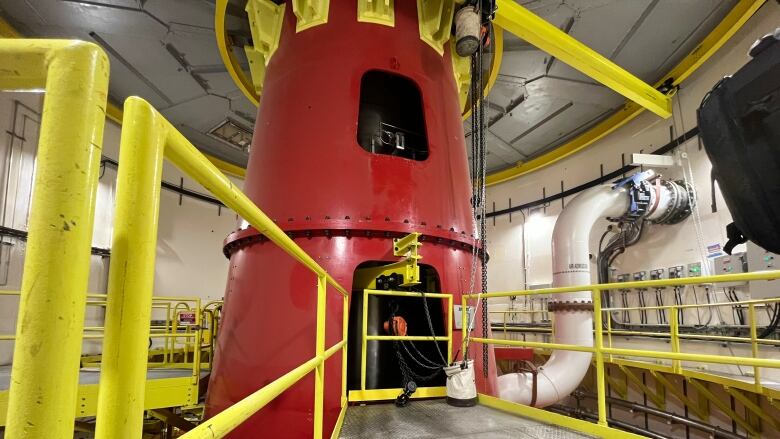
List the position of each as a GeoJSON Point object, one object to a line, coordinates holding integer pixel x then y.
{"type": "Point", "coordinates": [739, 122]}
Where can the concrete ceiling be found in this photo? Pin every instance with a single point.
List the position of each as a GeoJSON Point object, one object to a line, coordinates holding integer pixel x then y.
{"type": "Point", "coordinates": [161, 50]}
{"type": "Point", "coordinates": [539, 103]}
{"type": "Point", "coordinates": [165, 51]}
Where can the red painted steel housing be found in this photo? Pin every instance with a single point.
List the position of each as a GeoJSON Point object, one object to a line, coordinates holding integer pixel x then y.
{"type": "Point", "coordinates": [342, 204]}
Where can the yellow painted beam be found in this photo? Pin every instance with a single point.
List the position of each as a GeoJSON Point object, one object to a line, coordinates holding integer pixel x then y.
{"type": "Point", "coordinates": [42, 398]}
{"type": "Point", "coordinates": [753, 407]}
{"type": "Point", "coordinates": [539, 32]}
{"type": "Point", "coordinates": [735, 19]}
{"type": "Point", "coordinates": [657, 398]}
{"type": "Point", "coordinates": [697, 409]}
{"type": "Point", "coordinates": [7, 31]}
{"type": "Point", "coordinates": [391, 394]}
{"type": "Point", "coordinates": [703, 391]}
{"type": "Point", "coordinates": [231, 63]}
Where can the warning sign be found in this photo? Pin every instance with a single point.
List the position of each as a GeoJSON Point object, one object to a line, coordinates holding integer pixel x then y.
{"type": "Point", "coordinates": [186, 318]}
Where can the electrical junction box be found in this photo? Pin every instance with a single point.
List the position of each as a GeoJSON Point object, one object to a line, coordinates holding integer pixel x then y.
{"type": "Point", "coordinates": [658, 273]}
{"type": "Point", "coordinates": [694, 269]}
{"type": "Point", "coordinates": [730, 264]}
{"type": "Point", "coordinates": [759, 259]}
{"type": "Point", "coordinates": [457, 315]}
{"type": "Point", "coordinates": [676, 272]}
{"type": "Point", "coordinates": [639, 276]}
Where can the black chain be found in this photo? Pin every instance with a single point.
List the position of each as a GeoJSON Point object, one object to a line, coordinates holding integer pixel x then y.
{"type": "Point", "coordinates": [430, 328]}
{"type": "Point", "coordinates": [407, 373]}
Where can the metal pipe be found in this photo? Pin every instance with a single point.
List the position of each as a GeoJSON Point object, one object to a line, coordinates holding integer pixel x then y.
{"type": "Point", "coordinates": [131, 277]}
{"type": "Point", "coordinates": [42, 400]}
{"type": "Point", "coordinates": [717, 432]}
{"type": "Point", "coordinates": [565, 369]}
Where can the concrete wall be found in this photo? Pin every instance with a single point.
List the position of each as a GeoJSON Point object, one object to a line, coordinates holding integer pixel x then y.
{"type": "Point", "coordinates": [521, 258]}
{"type": "Point", "coordinates": [189, 243]}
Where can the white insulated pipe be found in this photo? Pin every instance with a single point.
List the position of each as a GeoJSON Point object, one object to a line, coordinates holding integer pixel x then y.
{"type": "Point", "coordinates": [564, 371]}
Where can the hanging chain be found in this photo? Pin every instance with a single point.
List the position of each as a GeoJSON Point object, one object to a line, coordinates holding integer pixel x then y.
{"type": "Point", "coordinates": [430, 328]}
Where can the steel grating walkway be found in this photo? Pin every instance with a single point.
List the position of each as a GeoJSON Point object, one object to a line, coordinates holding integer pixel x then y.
{"type": "Point", "coordinates": [429, 419]}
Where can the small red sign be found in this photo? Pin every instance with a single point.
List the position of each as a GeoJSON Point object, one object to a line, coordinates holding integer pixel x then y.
{"type": "Point", "coordinates": [187, 318]}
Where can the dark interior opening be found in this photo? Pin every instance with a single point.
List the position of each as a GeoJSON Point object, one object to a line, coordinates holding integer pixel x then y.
{"type": "Point", "coordinates": [382, 365]}
{"type": "Point", "coordinates": [391, 120]}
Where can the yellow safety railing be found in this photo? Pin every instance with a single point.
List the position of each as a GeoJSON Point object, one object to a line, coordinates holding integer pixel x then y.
{"type": "Point", "coordinates": [74, 74]}
{"type": "Point", "coordinates": [602, 327]}
{"type": "Point", "coordinates": [147, 139]}
{"type": "Point", "coordinates": [422, 392]}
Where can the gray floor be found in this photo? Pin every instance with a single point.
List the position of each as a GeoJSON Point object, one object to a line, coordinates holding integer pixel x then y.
{"type": "Point", "coordinates": [92, 375]}
{"type": "Point", "coordinates": [435, 419]}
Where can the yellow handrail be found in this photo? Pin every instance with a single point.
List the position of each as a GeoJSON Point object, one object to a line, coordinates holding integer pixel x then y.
{"type": "Point", "coordinates": [676, 356]}
{"type": "Point", "coordinates": [42, 399]}
{"type": "Point", "coordinates": [147, 138]}
{"type": "Point", "coordinates": [365, 338]}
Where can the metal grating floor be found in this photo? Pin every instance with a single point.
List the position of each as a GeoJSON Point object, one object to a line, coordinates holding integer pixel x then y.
{"type": "Point", "coordinates": [430, 419]}
{"type": "Point", "coordinates": [91, 375]}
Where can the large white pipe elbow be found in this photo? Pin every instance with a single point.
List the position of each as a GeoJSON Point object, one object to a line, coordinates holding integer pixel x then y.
{"type": "Point", "coordinates": [564, 371]}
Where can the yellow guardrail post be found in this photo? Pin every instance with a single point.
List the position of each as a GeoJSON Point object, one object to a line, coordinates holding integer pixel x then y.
{"type": "Point", "coordinates": [42, 400]}
{"type": "Point", "coordinates": [450, 311]}
{"type": "Point", "coordinates": [609, 331]}
{"type": "Point", "coordinates": [601, 391]}
{"type": "Point", "coordinates": [319, 372]}
{"type": "Point", "coordinates": [674, 334]}
{"type": "Point", "coordinates": [464, 323]}
{"type": "Point", "coordinates": [344, 335]}
{"type": "Point", "coordinates": [197, 346]}
{"type": "Point", "coordinates": [754, 345]}
{"type": "Point", "coordinates": [131, 276]}
{"type": "Point", "coordinates": [364, 341]}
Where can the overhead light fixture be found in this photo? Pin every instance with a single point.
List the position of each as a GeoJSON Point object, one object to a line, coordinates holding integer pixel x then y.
{"type": "Point", "coordinates": [233, 133]}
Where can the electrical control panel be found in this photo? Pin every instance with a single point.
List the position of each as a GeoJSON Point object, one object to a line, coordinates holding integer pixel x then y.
{"type": "Point", "coordinates": [730, 264]}
{"type": "Point", "coordinates": [658, 273]}
{"type": "Point", "coordinates": [676, 272]}
{"type": "Point", "coordinates": [759, 259]}
{"type": "Point", "coordinates": [694, 269]}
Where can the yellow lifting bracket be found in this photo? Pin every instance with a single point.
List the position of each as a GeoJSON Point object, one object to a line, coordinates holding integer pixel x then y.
{"type": "Point", "coordinates": [377, 12]}
{"type": "Point", "coordinates": [407, 247]}
{"type": "Point", "coordinates": [435, 21]}
{"type": "Point", "coordinates": [310, 13]}
{"type": "Point", "coordinates": [265, 23]}
{"type": "Point", "coordinates": [539, 32]}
